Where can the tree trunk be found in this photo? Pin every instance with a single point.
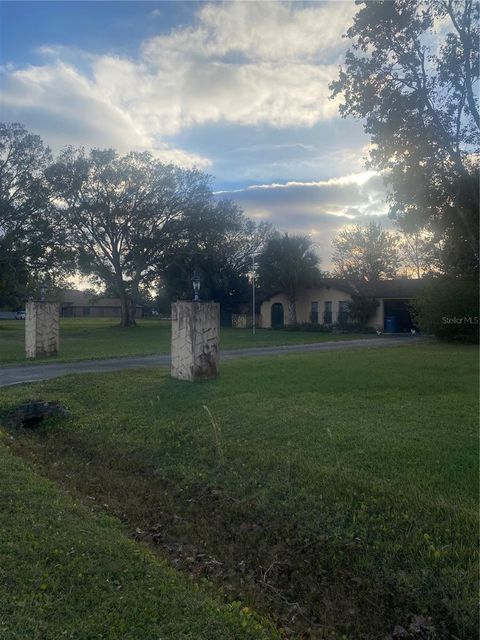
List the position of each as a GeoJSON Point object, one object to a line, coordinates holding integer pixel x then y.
{"type": "Point", "coordinates": [292, 312]}
{"type": "Point", "coordinates": [128, 308]}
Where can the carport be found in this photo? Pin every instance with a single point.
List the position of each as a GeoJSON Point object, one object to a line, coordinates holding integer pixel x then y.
{"type": "Point", "coordinates": [397, 316]}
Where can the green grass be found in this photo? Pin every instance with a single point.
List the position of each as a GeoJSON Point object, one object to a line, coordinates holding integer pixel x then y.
{"type": "Point", "coordinates": [339, 491]}
{"type": "Point", "coordinates": [102, 338]}
{"type": "Point", "coordinates": [66, 573]}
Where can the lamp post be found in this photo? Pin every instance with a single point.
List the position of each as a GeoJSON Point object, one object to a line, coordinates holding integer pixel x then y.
{"type": "Point", "coordinates": [196, 285]}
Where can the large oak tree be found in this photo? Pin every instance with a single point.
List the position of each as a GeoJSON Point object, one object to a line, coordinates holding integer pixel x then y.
{"type": "Point", "coordinates": [118, 211]}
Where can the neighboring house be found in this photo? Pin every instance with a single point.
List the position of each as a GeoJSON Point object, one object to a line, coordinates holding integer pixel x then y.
{"type": "Point", "coordinates": [327, 303]}
{"type": "Point", "coordinates": [80, 304]}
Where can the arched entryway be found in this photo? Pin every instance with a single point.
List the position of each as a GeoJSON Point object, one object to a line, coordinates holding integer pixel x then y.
{"type": "Point", "coordinates": [277, 315]}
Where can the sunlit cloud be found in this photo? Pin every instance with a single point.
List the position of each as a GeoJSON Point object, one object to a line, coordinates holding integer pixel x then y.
{"type": "Point", "coordinates": [241, 63]}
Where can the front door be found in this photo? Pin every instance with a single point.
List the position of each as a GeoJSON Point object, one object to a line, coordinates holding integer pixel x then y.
{"type": "Point", "coordinates": [277, 315]}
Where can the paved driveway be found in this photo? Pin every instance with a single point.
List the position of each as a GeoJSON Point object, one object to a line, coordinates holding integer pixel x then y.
{"type": "Point", "coordinates": [31, 372]}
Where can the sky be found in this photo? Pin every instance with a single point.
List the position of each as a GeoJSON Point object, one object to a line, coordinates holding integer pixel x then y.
{"type": "Point", "coordinates": [237, 89]}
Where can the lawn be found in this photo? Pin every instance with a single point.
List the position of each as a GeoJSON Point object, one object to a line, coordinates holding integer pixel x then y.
{"type": "Point", "coordinates": [336, 493]}
{"type": "Point", "coordinates": [68, 574]}
{"type": "Point", "coordinates": [103, 338]}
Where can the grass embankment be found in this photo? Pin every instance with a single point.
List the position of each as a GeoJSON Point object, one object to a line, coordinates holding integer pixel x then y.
{"type": "Point", "coordinates": [336, 492]}
{"type": "Point", "coordinates": [81, 339]}
{"type": "Point", "coordinates": [68, 574]}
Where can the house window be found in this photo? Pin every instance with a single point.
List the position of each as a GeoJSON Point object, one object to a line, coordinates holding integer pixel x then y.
{"type": "Point", "coordinates": [314, 313]}
{"type": "Point", "coordinates": [343, 311]}
{"type": "Point", "coordinates": [327, 315]}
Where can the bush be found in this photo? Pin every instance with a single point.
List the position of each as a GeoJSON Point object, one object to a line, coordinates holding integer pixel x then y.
{"type": "Point", "coordinates": [362, 309]}
{"type": "Point", "coordinates": [448, 309]}
{"type": "Point", "coordinates": [308, 326]}
{"type": "Point", "coordinates": [353, 327]}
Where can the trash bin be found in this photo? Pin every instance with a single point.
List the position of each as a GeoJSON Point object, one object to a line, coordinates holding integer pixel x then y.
{"type": "Point", "coordinates": [391, 324]}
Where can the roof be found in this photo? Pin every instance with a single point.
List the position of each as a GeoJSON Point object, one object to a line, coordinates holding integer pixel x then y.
{"type": "Point", "coordinates": [398, 288]}
{"type": "Point", "coordinates": [76, 298]}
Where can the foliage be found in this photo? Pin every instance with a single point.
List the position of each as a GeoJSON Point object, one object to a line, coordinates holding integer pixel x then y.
{"type": "Point", "coordinates": [289, 264]}
{"type": "Point", "coordinates": [412, 75]}
{"type": "Point", "coordinates": [449, 309]}
{"type": "Point", "coordinates": [216, 240]}
{"type": "Point", "coordinates": [314, 327]}
{"type": "Point", "coordinates": [117, 210]}
{"type": "Point", "coordinates": [361, 309]}
{"type": "Point", "coordinates": [14, 277]}
{"type": "Point", "coordinates": [351, 328]}
{"type": "Point", "coordinates": [32, 248]}
{"type": "Point", "coordinates": [365, 253]}
{"type": "Point", "coordinates": [420, 254]}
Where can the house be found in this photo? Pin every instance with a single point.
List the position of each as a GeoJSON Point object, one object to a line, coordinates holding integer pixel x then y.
{"type": "Point", "coordinates": [327, 303]}
{"type": "Point", "coordinates": [82, 304]}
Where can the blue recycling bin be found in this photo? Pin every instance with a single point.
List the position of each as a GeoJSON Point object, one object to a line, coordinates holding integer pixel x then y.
{"type": "Point", "coordinates": [391, 324]}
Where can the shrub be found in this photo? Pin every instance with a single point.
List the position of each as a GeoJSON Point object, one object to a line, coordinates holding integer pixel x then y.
{"type": "Point", "coordinates": [353, 327]}
{"type": "Point", "coordinates": [308, 326]}
{"type": "Point", "coordinates": [362, 309]}
{"type": "Point", "coordinates": [448, 309]}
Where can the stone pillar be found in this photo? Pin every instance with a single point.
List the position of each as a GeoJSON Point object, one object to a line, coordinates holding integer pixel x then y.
{"type": "Point", "coordinates": [42, 332]}
{"type": "Point", "coordinates": [195, 340]}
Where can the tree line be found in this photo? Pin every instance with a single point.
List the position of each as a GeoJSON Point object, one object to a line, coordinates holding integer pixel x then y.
{"type": "Point", "coordinates": [134, 225]}
{"type": "Point", "coordinates": [127, 222]}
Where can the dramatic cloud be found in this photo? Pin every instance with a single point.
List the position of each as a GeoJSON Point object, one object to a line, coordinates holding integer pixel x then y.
{"type": "Point", "coordinates": [242, 63]}
{"type": "Point", "coordinates": [320, 208]}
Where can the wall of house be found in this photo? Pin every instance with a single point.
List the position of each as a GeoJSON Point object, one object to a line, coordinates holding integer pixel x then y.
{"type": "Point", "coordinates": [304, 306]}
{"type": "Point", "coordinates": [377, 320]}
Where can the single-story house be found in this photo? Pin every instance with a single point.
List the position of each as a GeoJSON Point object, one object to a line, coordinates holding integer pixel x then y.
{"type": "Point", "coordinates": [327, 303]}
{"type": "Point", "coordinates": [81, 304]}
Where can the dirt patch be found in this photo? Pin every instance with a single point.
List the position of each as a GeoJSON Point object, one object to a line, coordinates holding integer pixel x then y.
{"type": "Point", "coordinates": [310, 587]}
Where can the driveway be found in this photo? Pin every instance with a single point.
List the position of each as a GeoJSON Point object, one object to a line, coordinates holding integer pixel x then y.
{"type": "Point", "coordinates": [34, 373]}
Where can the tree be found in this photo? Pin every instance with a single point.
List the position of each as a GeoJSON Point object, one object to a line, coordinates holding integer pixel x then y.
{"type": "Point", "coordinates": [288, 264]}
{"type": "Point", "coordinates": [365, 253]}
{"type": "Point", "coordinates": [362, 308]}
{"type": "Point", "coordinates": [217, 241]}
{"type": "Point", "coordinates": [420, 254]}
{"type": "Point", "coordinates": [448, 309]}
{"type": "Point", "coordinates": [118, 211]}
{"type": "Point", "coordinates": [31, 247]}
{"type": "Point", "coordinates": [412, 74]}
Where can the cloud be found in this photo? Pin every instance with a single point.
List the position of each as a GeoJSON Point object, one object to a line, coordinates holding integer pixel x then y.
{"type": "Point", "coordinates": [319, 208]}
{"type": "Point", "coordinates": [66, 107]}
{"type": "Point", "coordinates": [244, 63]}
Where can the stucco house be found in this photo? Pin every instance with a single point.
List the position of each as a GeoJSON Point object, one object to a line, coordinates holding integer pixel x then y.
{"type": "Point", "coordinates": [327, 303]}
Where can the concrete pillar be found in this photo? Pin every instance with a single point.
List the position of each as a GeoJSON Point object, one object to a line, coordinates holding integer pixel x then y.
{"type": "Point", "coordinates": [195, 340]}
{"type": "Point", "coordinates": [42, 329]}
